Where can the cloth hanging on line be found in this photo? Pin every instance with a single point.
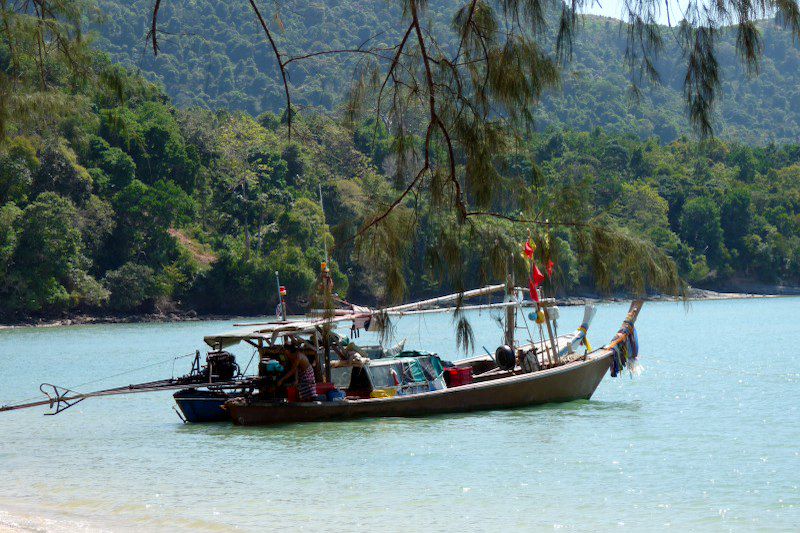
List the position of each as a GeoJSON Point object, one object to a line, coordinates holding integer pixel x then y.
{"type": "Point", "coordinates": [625, 349]}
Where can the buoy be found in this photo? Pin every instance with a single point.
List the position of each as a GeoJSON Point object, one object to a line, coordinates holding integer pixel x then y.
{"type": "Point", "coordinates": [540, 317]}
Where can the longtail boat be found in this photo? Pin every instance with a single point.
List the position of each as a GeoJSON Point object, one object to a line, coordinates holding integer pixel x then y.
{"type": "Point", "coordinates": [528, 374]}
{"type": "Point", "coordinates": [352, 382]}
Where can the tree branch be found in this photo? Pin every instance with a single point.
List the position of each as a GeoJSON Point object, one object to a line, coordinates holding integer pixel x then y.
{"type": "Point", "coordinates": [517, 220]}
{"type": "Point", "coordinates": [399, 198]}
{"type": "Point", "coordinates": [434, 117]}
{"type": "Point", "coordinates": [367, 51]}
{"type": "Point", "coordinates": [466, 29]}
{"type": "Point", "coordinates": [281, 65]}
{"type": "Point", "coordinates": [153, 23]}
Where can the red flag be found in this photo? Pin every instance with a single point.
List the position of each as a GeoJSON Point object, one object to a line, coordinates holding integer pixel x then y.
{"type": "Point", "coordinates": [534, 281]}
{"type": "Point", "coordinates": [537, 275]}
{"type": "Point", "coordinates": [528, 249]}
{"type": "Point", "coordinates": [533, 291]}
{"type": "Point", "coordinates": [550, 266]}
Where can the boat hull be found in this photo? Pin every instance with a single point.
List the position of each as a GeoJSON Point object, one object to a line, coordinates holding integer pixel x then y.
{"type": "Point", "coordinates": [199, 406]}
{"type": "Point", "coordinates": [573, 381]}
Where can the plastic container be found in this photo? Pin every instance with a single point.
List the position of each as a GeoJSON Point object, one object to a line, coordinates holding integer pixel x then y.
{"type": "Point", "coordinates": [450, 375]}
{"type": "Point", "coordinates": [456, 377]}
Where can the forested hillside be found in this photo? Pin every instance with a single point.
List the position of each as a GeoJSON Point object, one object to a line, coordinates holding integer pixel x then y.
{"type": "Point", "coordinates": [728, 213]}
{"type": "Point", "coordinates": [140, 206]}
{"type": "Point", "coordinates": [113, 199]}
{"type": "Point", "coordinates": [214, 55]}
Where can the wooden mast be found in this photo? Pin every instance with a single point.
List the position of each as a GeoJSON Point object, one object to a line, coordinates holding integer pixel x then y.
{"type": "Point", "coordinates": [326, 327]}
{"type": "Point", "coordinates": [550, 333]}
{"type": "Point", "coordinates": [511, 314]}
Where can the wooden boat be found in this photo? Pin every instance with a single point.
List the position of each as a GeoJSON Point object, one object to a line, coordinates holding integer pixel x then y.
{"type": "Point", "coordinates": [354, 386]}
{"type": "Point", "coordinates": [573, 381]}
{"type": "Point", "coordinates": [574, 377]}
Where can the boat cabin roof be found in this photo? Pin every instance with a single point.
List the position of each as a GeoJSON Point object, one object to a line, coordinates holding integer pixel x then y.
{"type": "Point", "coordinates": [269, 332]}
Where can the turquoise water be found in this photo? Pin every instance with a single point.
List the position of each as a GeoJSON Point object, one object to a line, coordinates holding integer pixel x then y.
{"type": "Point", "coordinates": [707, 438]}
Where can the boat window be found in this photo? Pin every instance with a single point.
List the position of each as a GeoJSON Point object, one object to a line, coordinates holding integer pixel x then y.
{"type": "Point", "coordinates": [382, 376]}
{"type": "Point", "coordinates": [341, 376]}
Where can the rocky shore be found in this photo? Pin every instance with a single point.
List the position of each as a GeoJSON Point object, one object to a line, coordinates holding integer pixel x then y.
{"type": "Point", "coordinates": [692, 294]}
{"type": "Point", "coordinates": [85, 319]}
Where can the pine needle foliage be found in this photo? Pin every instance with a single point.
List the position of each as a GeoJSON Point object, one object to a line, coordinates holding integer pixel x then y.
{"type": "Point", "coordinates": [47, 66]}
{"type": "Point", "coordinates": [457, 112]}
{"type": "Point", "coordinates": [618, 258]}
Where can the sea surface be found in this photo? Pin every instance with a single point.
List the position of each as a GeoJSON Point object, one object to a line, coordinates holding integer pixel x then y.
{"type": "Point", "coordinates": [706, 438]}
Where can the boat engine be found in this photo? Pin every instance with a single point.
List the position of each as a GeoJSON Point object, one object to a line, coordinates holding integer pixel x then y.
{"type": "Point", "coordinates": [505, 358]}
{"type": "Point", "coordinates": [220, 366]}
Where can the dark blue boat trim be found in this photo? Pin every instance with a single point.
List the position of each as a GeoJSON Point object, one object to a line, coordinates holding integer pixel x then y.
{"type": "Point", "coordinates": [200, 406]}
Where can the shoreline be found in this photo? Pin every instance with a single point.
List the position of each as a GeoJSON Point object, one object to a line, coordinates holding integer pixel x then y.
{"type": "Point", "coordinates": [192, 316]}
{"type": "Point", "coordinates": [15, 518]}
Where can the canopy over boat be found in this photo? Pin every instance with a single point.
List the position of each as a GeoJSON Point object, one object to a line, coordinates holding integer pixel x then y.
{"type": "Point", "coordinates": [270, 331]}
{"type": "Point", "coordinates": [265, 332]}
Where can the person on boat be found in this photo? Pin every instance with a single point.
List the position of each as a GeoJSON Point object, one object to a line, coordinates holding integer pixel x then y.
{"type": "Point", "coordinates": [303, 372]}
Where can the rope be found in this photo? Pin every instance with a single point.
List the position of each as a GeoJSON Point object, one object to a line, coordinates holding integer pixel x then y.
{"type": "Point", "coordinates": [73, 387]}
{"type": "Point", "coordinates": [132, 370]}
{"type": "Point", "coordinates": [585, 339]}
{"type": "Point", "coordinates": [525, 320]}
{"type": "Point", "coordinates": [250, 361]}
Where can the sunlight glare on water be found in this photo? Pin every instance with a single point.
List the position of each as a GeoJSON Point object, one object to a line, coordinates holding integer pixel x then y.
{"type": "Point", "coordinates": [707, 438]}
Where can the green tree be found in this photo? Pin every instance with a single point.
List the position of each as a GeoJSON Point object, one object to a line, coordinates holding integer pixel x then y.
{"type": "Point", "coordinates": [48, 251]}
{"type": "Point", "coordinates": [295, 163]}
{"type": "Point", "coordinates": [642, 208]}
{"type": "Point", "coordinates": [97, 224]}
{"type": "Point", "coordinates": [736, 217]}
{"type": "Point", "coordinates": [144, 217]}
{"type": "Point", "coordinates": [9, 215]}
{"type": "Point", "coordinates": [18, 163]}
{"type": "Point", "coordinates": [60, 172]}
{"type": "Point", "coordinates": [304, 225]}
{"type": "Point", "coordinates": [133, 287]}
{"type": "Point", "coordinates": [161, 152]}
{"type": "Point", "coordinates": [117, 166]}
{"type": "Point", "coordinates": [701, 228]}
{"type": "Point", "coordinates": [744, 159]}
